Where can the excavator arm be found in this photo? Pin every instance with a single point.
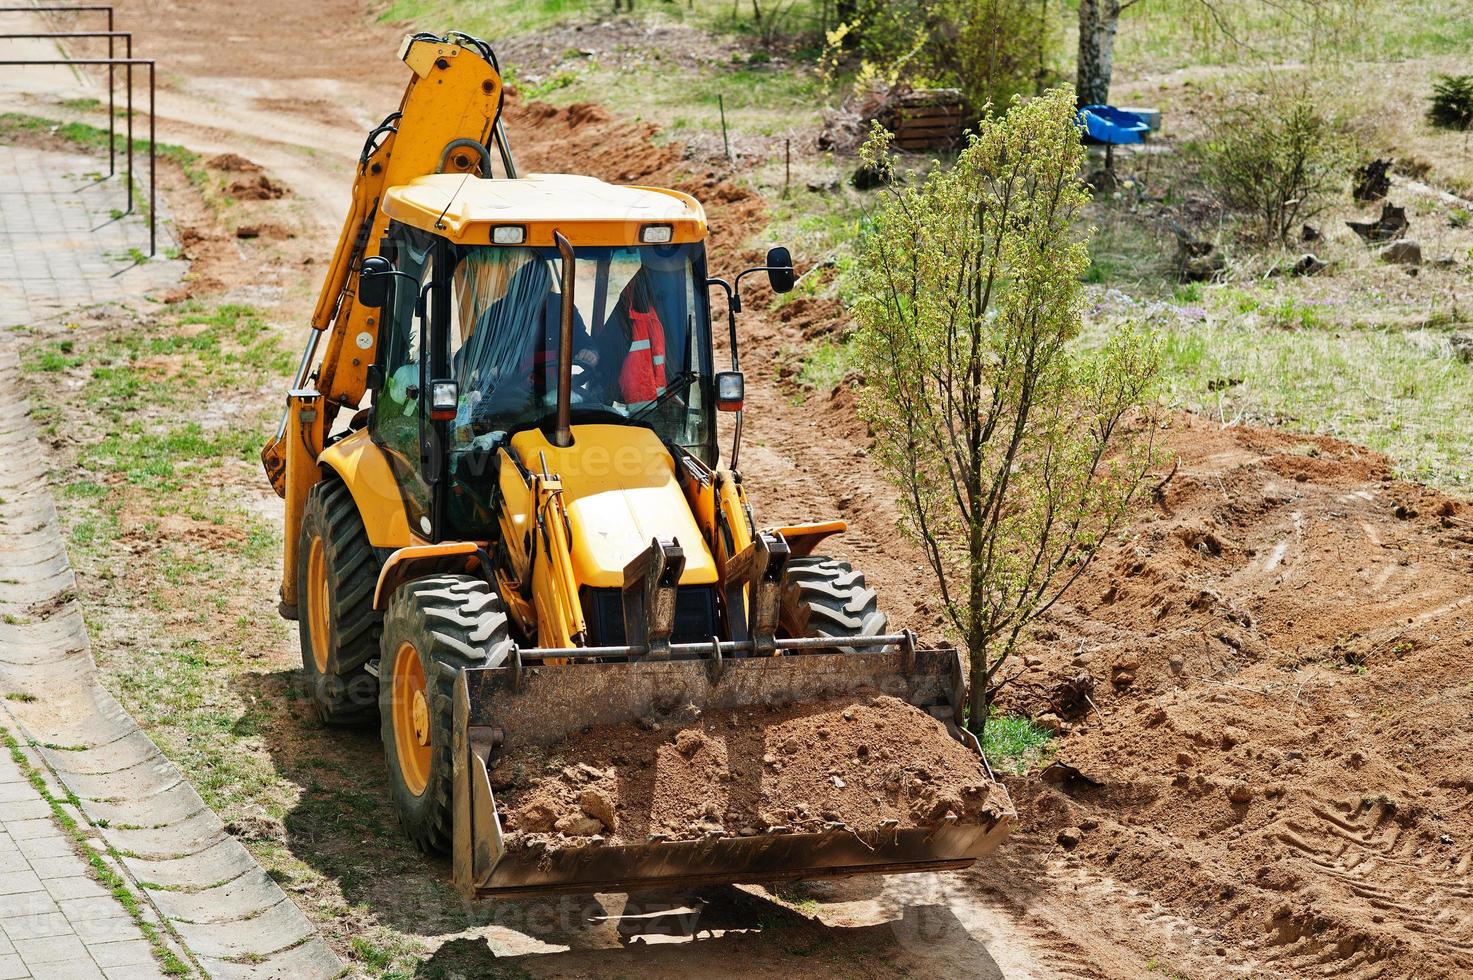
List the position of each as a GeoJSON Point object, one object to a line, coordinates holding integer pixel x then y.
{"type": "Point", "coordinates": [448, 119]}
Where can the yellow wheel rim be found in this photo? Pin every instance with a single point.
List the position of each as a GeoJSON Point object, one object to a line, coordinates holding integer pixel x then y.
{"type": "Point", "coordinates": [317, 602]}
{"type": "Point", "coordinates": [411, 713]}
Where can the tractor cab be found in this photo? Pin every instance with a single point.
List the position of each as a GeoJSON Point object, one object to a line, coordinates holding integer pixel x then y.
{"type": "Point", "coordinates": [559, 325]}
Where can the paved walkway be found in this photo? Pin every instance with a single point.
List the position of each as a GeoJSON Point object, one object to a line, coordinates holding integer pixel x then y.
{"type": "Point", "coordinates": [193, 885]}
{"type": "Point", "coordinates": [62, 244]}
{"type": "Point", "coordinates": [57, 920]}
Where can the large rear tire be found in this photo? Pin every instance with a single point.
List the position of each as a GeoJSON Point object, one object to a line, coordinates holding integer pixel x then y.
{"type": "Point", "coordinates": [826, 597]}
{"type": "Point", "coordinates": [336, 622]}
{"type": "Point", "coordinates": [434, 628]}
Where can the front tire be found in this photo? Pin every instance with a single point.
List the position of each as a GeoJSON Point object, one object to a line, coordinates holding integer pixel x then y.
{"type": "Point", "coordinates": [826, 597]}
{"type": "Point", "coordinates": [434, 628]}
{"type": "Point", "coordinates": [337, 625]}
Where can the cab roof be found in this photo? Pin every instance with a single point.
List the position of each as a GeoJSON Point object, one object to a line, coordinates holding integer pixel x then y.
{"type": "Point", "coordinates": [586, 210]}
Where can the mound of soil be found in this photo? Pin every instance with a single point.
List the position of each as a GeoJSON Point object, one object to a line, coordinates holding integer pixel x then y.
{"type": "Point", "coordinates": [860, 762]}
{"type": "Point", "coordinates": [256, 187]}
{"type": "Point", "coordinates": [233, 163]}
{"type": "Point", "coordinates": [1280, 660]}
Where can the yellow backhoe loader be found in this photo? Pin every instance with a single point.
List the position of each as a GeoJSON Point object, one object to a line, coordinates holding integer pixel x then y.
{"type": "Point", "coordinates": [507, 518]}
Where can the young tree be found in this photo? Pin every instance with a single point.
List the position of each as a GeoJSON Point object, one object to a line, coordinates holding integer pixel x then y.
{"type": "Point", "coordinates": [1275, 155]}
{"type": "Point", "coordinates": [1016, 449]}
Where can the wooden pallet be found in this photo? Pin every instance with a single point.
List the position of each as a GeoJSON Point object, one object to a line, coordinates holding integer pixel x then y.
{"type": "Point", "coordinates": [929, 119]}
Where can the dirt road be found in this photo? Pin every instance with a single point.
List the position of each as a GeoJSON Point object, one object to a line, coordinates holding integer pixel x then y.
{"type": "Point", "coordinates": [1210, 597]}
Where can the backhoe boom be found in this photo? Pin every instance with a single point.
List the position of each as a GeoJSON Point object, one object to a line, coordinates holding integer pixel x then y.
{"type": "Point", "coordinates": [455, 94]}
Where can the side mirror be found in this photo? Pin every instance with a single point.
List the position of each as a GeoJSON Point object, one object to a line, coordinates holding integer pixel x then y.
{"type": "Point", "coordinates": [730, 389]}
{"type": "Point", "coordinates": [780, 270]}
{"type": "Point", "coordinates": [373, 281]}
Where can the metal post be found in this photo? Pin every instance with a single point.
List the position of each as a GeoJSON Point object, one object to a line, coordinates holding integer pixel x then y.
{"type": "Point", "coordinates": [112, 136]}
{"type": "Point", "coordinates": [128, 77]}
{"type": "Point", "coordinates": [153, 169]}
{"type": "Point", "coordinates": [721, 105]}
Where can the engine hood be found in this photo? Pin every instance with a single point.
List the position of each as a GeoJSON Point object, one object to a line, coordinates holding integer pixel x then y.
{"type": "Point", "coordinates": [620, 492]}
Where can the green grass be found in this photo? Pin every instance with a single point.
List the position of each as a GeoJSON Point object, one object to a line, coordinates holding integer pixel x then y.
{"type": "Point", "coordinates": [825, 363]}
{"type": "Point", "coordinates": [93, 139]}
{"type": "Point", "coordinates": [87, 136]}
{"type": "Point", "coordinates": [490, 19]}
{"type": "Point", "coordinates": [1013, 744]}
{"type": "Point", "coordinates": [1168, 34]}
{"type": "Point", "coordinates": [1397, 390]}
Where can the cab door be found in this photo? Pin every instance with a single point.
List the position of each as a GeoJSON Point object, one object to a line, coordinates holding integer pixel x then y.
{"type": "Point", "coordinates": [397, 424]}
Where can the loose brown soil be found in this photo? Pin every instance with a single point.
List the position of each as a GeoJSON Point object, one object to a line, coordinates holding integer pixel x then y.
{"type": "Point", "coordinates": [862, 763]}
{"type": "Point", "coordinates": [1281, 651]}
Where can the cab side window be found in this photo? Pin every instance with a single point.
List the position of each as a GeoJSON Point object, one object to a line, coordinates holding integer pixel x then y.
{"type": "Point", "coordinates": [396, 422]}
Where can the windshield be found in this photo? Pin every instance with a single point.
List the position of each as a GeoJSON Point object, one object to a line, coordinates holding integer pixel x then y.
{"type": "Point", "coordinates": [640, 340]}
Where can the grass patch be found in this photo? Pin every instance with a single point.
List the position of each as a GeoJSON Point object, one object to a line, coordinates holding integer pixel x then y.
{"type": "Point", "coordinates": [1399, 391]}
{"type": "Point", "coordinates": [1162, 35]}
{"type": "Point", "coordinates": [89, 137]}
{"type": "Point", "coordinates": [488, 19]}
{"type": "Point", "coordinates": [1013, 744]}
{"type": "Point", "coordinates": [825, 365]}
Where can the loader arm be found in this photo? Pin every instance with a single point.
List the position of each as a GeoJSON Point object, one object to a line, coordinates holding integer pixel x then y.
{"type": "Point", "coordinates": [449, 116]}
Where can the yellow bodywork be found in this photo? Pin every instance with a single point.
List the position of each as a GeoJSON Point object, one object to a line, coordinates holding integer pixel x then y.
{"type": "Point", "coordinates": [364, 469]}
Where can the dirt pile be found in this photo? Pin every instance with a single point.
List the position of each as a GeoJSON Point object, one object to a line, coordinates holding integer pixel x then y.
{"type": "Point", "coordinates": [586, 139]}
{"type": "Point", "coordinates": [1280, 659]}
{"type": "Point", "coordinates": [860, 762]}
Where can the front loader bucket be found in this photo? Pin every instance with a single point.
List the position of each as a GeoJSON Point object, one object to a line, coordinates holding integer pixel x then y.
{"type": "Point", "coordinates": [504, 708]}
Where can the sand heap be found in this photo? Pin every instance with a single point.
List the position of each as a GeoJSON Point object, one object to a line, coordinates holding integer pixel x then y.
{"type": "Point", "coordinates": [861, 762]}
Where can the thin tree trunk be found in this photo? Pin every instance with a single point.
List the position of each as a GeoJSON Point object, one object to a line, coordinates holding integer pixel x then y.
{"type": "Point", "coordinates": [1097, 23]}
{"type": "Point", "coordinates": [979, 686]}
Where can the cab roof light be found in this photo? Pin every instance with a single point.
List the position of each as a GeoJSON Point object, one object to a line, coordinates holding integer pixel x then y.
{"type": "Point", "coordinates": [508, 234]}
{"type": "Point", "coordinates": [657, 234]}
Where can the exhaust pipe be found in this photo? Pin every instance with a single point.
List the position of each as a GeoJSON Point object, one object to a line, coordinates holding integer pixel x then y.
{"type": "Point", "coordinates": [563, 436]}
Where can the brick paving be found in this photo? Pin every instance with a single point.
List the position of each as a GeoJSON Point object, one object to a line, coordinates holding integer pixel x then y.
{"type": "Point", "coordinates": [199, 887]}
{"type": "Point", "coordinates": [62, 245]}
{"type": "Point", "coordinates": [55, 919]}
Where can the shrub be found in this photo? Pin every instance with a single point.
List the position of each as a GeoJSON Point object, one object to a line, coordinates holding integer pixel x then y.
{"type": "Point", "coordinates": [990, 50]}
{"type": "Point", "coordinates": [1452, 102]}
{"type": "Point", "coordinates": [1275, 159]}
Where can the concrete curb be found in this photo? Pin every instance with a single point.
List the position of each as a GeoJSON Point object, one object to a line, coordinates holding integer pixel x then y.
{"type": "Point", "coordinates": [234, 920]}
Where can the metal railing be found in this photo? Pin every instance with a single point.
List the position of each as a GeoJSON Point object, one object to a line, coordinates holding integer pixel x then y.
{"type": "Point", "coordinates": [152, 143]}
{"type": "Point", "coordinates": [111, 62]}
{"type": "Point", "coordinates": [111, 53]}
